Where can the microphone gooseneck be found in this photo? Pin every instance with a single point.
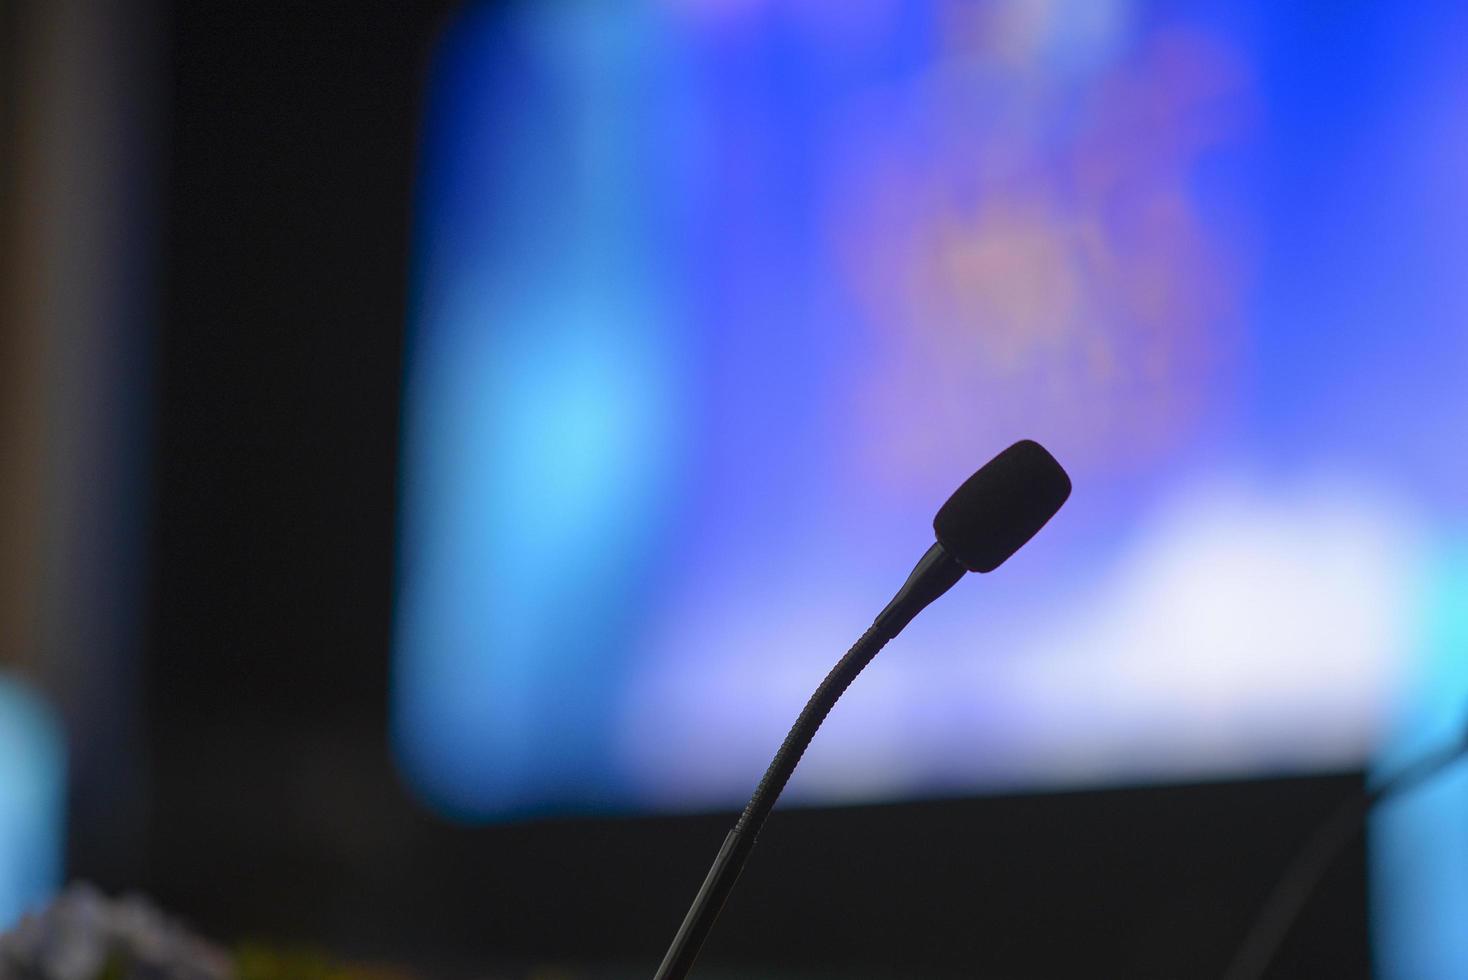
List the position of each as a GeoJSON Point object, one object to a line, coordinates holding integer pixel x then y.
{"type": "Point", "coordinates": [935, 574]}
{"type": "Point", "coordinates": [996, 511]}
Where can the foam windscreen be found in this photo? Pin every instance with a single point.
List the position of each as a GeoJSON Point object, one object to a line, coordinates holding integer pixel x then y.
{"type": "Point", "coordinates": [1001, 506]}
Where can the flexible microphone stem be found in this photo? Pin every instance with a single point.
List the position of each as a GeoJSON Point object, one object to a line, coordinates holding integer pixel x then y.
{"type": "Point", "coordinates": [981, 525]}
{"type": "Point", "coordinates": [935, 574]}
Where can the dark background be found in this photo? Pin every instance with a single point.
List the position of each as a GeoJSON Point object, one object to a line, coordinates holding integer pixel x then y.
{"type": "Point", "coordinates": [287, 161]}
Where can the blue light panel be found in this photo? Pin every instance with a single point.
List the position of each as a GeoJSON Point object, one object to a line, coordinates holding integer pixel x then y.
{"type": "Point", "coordinates": [32, 802]}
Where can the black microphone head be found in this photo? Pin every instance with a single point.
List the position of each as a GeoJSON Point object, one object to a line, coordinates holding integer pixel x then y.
{"type": "Point", "coordinates": [1001, 506]}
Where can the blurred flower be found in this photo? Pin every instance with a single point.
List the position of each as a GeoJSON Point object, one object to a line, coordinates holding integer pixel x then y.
{"type": "Point", "coordinates": [83, 935]}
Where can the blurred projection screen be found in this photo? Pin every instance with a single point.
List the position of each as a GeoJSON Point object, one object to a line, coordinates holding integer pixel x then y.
{"type": "Point", "coordinates": [715, 302]}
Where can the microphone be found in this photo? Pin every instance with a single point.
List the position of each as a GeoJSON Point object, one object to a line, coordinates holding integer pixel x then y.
{"type": "Point", "coordinates": [986, 520]}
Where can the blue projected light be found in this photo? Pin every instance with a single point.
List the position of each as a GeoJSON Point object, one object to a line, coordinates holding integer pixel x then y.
{"type": "Point", "coordinates": [543, 429]}
{"type": "Point", "coordinates": [32, 803]}
{"type": "Point", "coordinates": [714, 303]}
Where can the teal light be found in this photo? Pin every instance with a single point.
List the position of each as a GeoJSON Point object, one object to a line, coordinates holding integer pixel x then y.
{"type": "Point", "coordinates": [1419, 844]}
{"type": "Point", "coordinates": [542, 426]}
{"type": "Point", "coordinates": [32, 801]}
